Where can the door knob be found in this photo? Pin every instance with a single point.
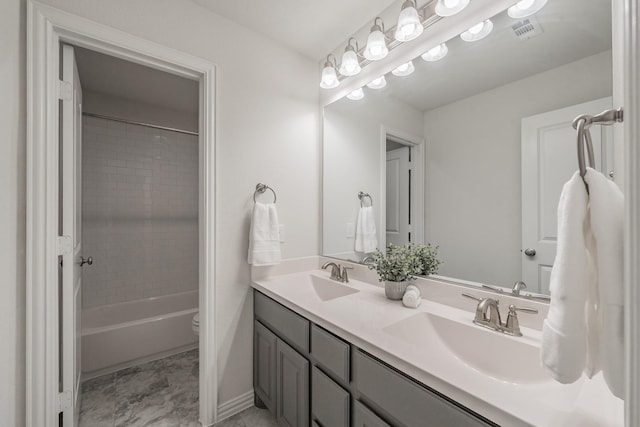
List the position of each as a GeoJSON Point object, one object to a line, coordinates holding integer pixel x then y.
{"type": "Point", "coordinates": [88, 260]}
{"type": "Point", "coordinates": [530, 252]}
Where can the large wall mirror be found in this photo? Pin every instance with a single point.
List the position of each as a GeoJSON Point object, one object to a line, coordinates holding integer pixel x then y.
{"type": "Point", "coordinates": [470, 152]}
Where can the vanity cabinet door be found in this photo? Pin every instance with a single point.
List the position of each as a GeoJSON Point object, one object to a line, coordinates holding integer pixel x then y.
{"type": "Point", "coordinates": [264, 365]}
{"type": "Point", "coordinates": [292, 387]}
{"type": "Point", "coordinates": [329, 401]}
{"type": "Point", "coordinates": [364, 417]}
{"type": "Point", "coordinates": [405, 402]}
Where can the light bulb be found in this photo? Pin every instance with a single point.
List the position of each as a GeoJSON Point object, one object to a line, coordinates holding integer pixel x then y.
{"type": "Point", "coordinates": [356, 94]}
{"type": "Point", "coordinates": [476, 28]}
{"type": "Point", "coordinates": [478, 31]}
{"type": "Point", "coordinates": [329, 78]}
{"type": "Point", "coordinates": [450, 7]}
{"type": "Point", "coordinates": [404, 69]}
{"type": "Point", "coordinates": [378, 83]}
{"type": "Point", "coordinates": [376, 48]}
{"type": "Point", "coordinates": [350, 65]}
{"type": "Point", "coordinates": [525, 8]}
{"type": "Point", "coordinates": [525, 4]}
{"type": "Point", "coordinates": [436, 53]}
{"type": "Point", "coordinates": [409, 26]}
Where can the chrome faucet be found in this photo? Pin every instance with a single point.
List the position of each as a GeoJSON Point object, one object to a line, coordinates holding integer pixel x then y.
{"type": "Point", "coordinates": [338, 273]}
{"type": "Point", "coordinates": [488, 315]}
{"type": "Point", "coordinates": [517, 287]}
{"type": "Point", "coordinates": [367, 260]}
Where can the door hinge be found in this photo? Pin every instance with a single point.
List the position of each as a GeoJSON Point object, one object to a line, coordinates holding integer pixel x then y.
{"type": "Point", "coordinates": [65, 90]}
{"type": "Point", "coordinates": [64, 401]}
{"type": "Point", "coordinates": [65, 245]}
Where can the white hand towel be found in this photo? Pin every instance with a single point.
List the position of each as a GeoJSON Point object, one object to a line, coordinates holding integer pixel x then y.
{"type": "Point", "coordinates": [366, 238]}
{"type": "Point", "coordinates": [564, 332]}
{"type": "Point", "coordinates": [411, 297]}
{"type": "Point", "coordinates": [606, 205]}
{"type": "Point", "coordinates": [264, 235]}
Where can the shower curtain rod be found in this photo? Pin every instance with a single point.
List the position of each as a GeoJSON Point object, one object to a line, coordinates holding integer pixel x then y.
{"type": "Point", "coordinates": [132, 122]}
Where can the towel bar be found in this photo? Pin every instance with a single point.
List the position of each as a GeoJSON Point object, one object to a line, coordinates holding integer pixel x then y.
{"type": "Point", "coordinates": [362, 195]}
{"type": "Point", "coordinates": [261, 188]}
{"type": "Point", "coordinates": [582, 124]}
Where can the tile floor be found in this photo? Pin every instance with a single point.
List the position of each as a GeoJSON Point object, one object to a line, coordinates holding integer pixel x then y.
{"type": "Point", "coordinates": [162, 393]}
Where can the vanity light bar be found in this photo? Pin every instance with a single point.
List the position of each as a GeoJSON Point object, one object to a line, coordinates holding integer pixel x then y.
{"type": "Point", "coordinates": [428, 11]}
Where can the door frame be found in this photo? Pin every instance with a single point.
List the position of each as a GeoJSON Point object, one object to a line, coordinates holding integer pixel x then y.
{"type": "Point", "coordinates": [417, 185]}
{"type": "Point", "coordinates": [627, 12]}
{"type": "Point", "coordinates": [47, 27]}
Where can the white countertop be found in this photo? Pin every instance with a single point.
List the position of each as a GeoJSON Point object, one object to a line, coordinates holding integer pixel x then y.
{"type": "Point", "coordinates": [365, 319]}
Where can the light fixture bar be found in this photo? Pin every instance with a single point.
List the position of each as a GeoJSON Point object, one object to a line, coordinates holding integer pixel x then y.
{"type": "Point", "coordinates": [430, 18]}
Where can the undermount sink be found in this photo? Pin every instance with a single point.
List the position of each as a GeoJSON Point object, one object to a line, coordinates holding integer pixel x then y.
{"type": "Point", "coordinates": [494, 354]}
{"type": "Point", "coordinates": [327, 289]}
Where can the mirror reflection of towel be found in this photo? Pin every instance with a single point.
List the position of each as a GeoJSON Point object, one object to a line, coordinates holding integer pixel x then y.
{"type": "Point", "coordinates": [264, 235]}
{"type": "Point", "coordinates": [366, 238]}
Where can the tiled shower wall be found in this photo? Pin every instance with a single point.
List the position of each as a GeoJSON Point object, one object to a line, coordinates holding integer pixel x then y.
{"type": "Point", "coordinates": [139, 212]}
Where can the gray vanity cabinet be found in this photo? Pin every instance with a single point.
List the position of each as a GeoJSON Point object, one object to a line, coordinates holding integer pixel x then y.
{"type": "Point", "coordinates": [264, 365]}
{"type": "Point", "coordinates": [364, 417]}
{"type": "Point", "coordinates": [292, 387]}
{"type": "Point", "coordinates": [309, 377]}
{"type": "Point", "coordinates": [405, 402]}
{"type": "Point", "coordinates": [329, 402]}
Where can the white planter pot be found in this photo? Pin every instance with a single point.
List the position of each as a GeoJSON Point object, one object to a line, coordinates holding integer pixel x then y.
{"type": "Point", "coordinates": [395, 290]}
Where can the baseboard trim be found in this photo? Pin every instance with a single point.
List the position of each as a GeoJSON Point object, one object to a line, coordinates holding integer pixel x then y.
{"type": "Point", "coordinates": [235, 405]}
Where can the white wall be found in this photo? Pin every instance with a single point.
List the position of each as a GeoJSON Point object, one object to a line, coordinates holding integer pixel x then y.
{"type": "Point", "coordinates": [139, 212]}
{"type": "Point", "coordinates": [12, 211]}
{"type": "Point", "coordinates": [473, 167]}
{"type": "Point", "coordinates": [113, 106]}
{"type": "Point", "coordinates": [267, 130]}
{"type": "Point", "coordinates": [351, 161]}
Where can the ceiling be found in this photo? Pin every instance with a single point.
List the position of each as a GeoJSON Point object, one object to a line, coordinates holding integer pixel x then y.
{"type": "Point", "coordinates": [311, 27]}
{"type": "Point", "coordinates": [124, 79]}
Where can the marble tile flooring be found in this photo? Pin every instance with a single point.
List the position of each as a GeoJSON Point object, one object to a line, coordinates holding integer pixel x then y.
{"type": "Point", "coordinates": [162, 393]}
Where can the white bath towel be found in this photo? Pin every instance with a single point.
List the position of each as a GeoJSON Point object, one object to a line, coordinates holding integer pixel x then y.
{"type": "Point", "coordinates": [366, 238]}
{"type": "Point", "coordinates": [564, 332]}
{"type": "Point", "coordinates": [606, 205]}
{"type": "Point", "coordinates": [264, 235]}
{"type": "Point", "coordinates": [411, 297]}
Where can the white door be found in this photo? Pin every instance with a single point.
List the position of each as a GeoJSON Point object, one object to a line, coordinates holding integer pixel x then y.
{"type": "Point", "coordinates": [70, 221]}
{"type": "Point", "coordinates": [398, 196]}
{"type": "Point", "coordinates": [549, 158]}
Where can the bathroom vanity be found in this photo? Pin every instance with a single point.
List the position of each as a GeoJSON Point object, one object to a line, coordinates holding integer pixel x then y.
{"type": "Point", "coordinates": [328, 354]}
{"type": "Point", "coordinates": [348, 386]}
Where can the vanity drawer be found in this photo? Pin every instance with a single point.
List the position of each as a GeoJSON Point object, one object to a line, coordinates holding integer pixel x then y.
{"type": "Point", "coordinates": [364, 417]}
{"type": "Point", "coordinates": [329, 401]}
{"type": "Point", "coordinates": [406, 402]}
{"type": "Point", "coordinates": [331, 353]}
{"type": "Point", "coordinates": [291, 327]}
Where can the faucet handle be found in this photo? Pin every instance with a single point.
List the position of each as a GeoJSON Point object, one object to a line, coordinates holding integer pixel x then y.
{"type": "Point", "coordinates": [473, 297]}
{"type": "Point", "coordinates": [344, 277]}
{"type": "Point", "coordinates": [512, 325]}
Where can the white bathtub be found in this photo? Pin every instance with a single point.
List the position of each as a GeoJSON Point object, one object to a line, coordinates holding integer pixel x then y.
{"type": "Point", "coordinates": [120, 335]}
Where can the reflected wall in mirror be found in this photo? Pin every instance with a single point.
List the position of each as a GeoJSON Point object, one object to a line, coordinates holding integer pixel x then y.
{"type": "Point", "coordinates": [488, 129]}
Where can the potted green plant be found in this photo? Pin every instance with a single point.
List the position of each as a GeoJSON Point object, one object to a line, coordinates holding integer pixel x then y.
{"type": "Point", "coordinates": [395, 268]}
{"type": "Point", "coordinates": [428, 258]}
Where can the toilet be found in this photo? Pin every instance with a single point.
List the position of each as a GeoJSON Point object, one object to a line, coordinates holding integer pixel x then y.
{"type": "Point", "coordinates": [195, 324]}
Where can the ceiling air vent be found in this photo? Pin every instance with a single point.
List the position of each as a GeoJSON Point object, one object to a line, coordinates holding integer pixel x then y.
{"type": "Point", "coordinates": [527, 28]}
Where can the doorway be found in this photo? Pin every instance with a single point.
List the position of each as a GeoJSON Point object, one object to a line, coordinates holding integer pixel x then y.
{"type": "Point", "coordinates": [403, 177]}
{"type": "Point", "coordinates": [47, 403]}
{"type": "Point", "coordinates": [134, 217]}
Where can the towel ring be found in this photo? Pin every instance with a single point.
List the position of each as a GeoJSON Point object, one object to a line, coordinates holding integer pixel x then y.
{"type": "Point", "coordinates": [261, 188]}
{"type": "Point", "coordinates": [362, 195]}
{"type": "Point", "coordinates": [582, 124]}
